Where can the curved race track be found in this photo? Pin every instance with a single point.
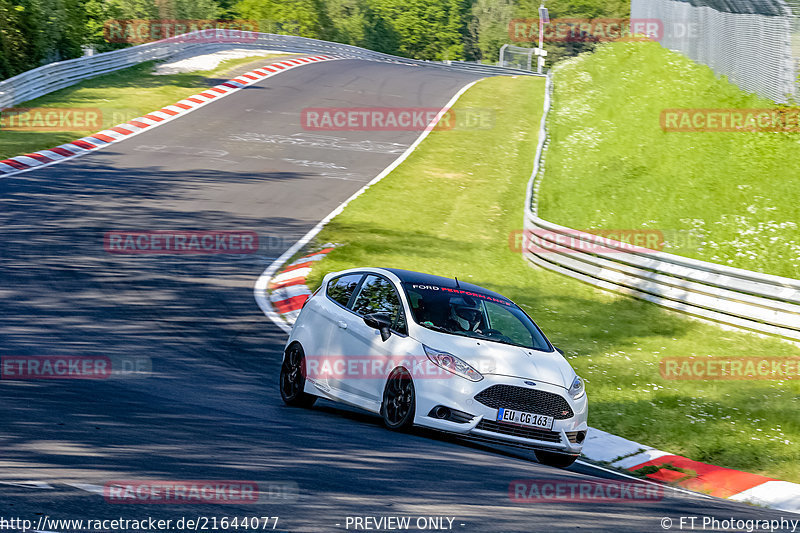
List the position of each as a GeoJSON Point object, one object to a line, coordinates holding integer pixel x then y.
{"type": "Point", "coordinates": [211, 409]}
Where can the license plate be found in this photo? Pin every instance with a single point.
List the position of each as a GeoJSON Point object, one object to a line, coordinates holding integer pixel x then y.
{"type": "Point", "coordinates": [510, 416]}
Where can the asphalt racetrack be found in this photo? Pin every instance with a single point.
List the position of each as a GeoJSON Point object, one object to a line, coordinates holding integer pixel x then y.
{"type": "Point", "coordinates": [209, 408]}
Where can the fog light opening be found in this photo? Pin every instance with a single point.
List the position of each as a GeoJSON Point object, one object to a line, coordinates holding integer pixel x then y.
{"type": "Point", "coordinates": [441, 412]}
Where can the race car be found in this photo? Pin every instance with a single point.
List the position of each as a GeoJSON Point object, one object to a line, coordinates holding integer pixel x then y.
{"type": "Point", "coordinates": [436, 352]}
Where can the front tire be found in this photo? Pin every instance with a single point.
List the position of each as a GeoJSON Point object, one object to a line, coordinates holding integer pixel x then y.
{"type": "Point", "coordinates": [293, 378]}
{"type": "Point", "coordinates": [558, 460]}
{"type": "Point", "coordinates": [399, 401]}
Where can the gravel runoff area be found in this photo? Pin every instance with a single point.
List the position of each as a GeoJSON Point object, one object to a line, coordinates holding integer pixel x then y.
{"type": "Point", "coordinates": [188, 62]}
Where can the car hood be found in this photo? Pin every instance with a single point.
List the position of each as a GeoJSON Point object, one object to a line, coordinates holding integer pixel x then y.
{"type": "Point", "coordinates": [488, 357]}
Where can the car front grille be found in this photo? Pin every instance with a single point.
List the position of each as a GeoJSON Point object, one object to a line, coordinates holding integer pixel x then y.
{"type": "Point", "coordinates": [528, 400]}
{"type": "Point", "coordinates": [518, 431]}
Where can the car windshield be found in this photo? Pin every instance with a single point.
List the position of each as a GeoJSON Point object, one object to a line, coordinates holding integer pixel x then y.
{"type": "Point", "coordinates": [473, 314]}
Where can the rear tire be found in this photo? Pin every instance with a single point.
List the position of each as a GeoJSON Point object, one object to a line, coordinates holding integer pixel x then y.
{"type": "Point", "coordinates": [399, 401]}
{"type": "Point", "coordinates": [293, 378]}
{"type": "Point", "coordinates": [558, 460]}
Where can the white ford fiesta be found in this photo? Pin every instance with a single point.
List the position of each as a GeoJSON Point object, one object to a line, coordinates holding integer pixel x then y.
{"type": "Point", "coordinates": [435, 352]}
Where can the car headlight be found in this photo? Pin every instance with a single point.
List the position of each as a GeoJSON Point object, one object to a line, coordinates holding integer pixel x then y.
{"type": "Point", "coordinates": [453, 364]}
{"type": "Point", "coordinates": [577, 389]}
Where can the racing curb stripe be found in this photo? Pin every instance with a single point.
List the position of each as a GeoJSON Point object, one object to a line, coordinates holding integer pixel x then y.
{"type": "Point", "coordinates": [80, 143]}
{"type": "Point", "coordinates": [52, 154]}
{"type": "Point", "coordinates": [288, 283]}
{"type": "Point", "coordinates": [776, 494]}
{"type": "Point", "coordinates": [292, 304]}
{"type": "Point", "coordinates": [61, 151]}
{"type": "Point", "coordinates": [315, 256]}
{"type": "Point", "coordinates": [288, 276]}
{"type": "Point", "coordinates": [39, 157]}
{"type": "Point", "coordinates": [676, 470]}
{"type": "Point", "coordinates": [13, 163]}
{"type": "Point", "coordinates": [702, 477]}
{"type": "Point", "coordinates": [289, 289]}
{"type": "Point", "coordinates": [26, 160]}
{"type": "Point", "coordinates": [296, 266]}
{"type": "Point", "coordinates": [23, 163]}
{"type": "Point", "coordinates": [287, 292]}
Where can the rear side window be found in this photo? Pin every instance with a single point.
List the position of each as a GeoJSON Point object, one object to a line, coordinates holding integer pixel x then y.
{"type": "Point", "coordinates": [340, 289]}
{"type": "Point", "coordinates": [378, 295]}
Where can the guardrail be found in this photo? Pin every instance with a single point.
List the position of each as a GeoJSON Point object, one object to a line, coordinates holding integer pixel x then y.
{"type": "Point", "coordinates": [731, 296]}
{"type": "Point", "coordinates": [54, 76]}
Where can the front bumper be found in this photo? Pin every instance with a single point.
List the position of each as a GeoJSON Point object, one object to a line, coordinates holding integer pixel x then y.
{"type": "Point", "coordinates": [457, 393]}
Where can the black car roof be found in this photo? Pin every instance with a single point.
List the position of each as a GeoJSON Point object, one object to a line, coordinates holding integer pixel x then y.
{"type": "Point", "coordinates": [409, 276]}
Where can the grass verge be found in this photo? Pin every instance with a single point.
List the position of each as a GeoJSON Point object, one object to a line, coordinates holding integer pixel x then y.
{"type": "Point", "coordinates": [728, 198]}
{"type": "Point", "coordinates": [449, 210]}
{"type": "Point", "coordinates": [121, 96]}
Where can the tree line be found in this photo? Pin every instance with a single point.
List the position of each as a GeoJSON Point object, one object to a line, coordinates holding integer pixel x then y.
{"type": "Point", "coordinates": [35, 32]}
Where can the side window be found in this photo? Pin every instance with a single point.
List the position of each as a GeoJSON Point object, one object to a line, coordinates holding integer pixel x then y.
{"type": "Point", "coordinates": [377, 295]}
{"type": "Point", "coordinates": [340, 289]}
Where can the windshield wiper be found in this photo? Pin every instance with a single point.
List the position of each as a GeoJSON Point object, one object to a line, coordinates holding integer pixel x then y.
{"type": "Point", "coordinates": [436, 328]}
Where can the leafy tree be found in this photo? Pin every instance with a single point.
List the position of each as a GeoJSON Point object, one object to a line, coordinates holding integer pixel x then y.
{"type": "Point", "coordinates": [488, 29]}
{"type": "Point", "coordinates": [196, 9]}
{"type": "Point", "coordinates": [581, 9]}
{"type": "Point", "coordinates": [426, 29]}
{"type": "Point", "coordinates": [294, 17]}
{"type": "Point", "coordinates": [47, 30]}
{"type": "Point", "coordinates": [13, 59]}
{"type": "Point", "coordinates": [33, 32]}
{"type": "Point", "coordinates": [349, 21]}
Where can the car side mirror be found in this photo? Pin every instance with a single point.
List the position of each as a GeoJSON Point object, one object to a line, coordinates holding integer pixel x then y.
{"type": "Point", "coordinates": [559, 350]}
{"type": "Point", "coordinates": [380, 322]}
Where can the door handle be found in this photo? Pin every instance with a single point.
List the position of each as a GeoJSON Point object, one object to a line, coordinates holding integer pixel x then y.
{"type": "Point", "coordinates": [342, 324]}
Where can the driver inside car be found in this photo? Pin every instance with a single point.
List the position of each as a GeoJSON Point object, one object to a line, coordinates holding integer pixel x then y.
{"type": "Point", "coordinates": [465, 314]}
